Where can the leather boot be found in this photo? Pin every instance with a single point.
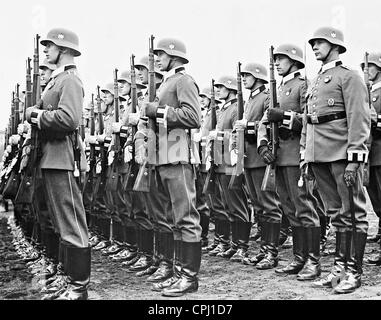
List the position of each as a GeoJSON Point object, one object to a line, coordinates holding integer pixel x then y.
{"type": "Point", "coordinates": [204, 222]}
{"type": "Point", "coordinates": [224, 238]}
{"type": "Point", "coordinates": [234, 242]}
{"type": "Point", "coordinates": [130, 240]}
{"type": "Point", "coordinates": [129, 262]}
{"type": "Point", "coordinates": [78, 264]}
{"type": "Point", "coordinates": [258, 234]}
{"type": "Point", "coordinates": [166, 250]}
{"type": "Point", "coordinates": [323, 233]}
{"type": "Point", "coordinates": [177, 266]}
{"type": "Point", "coordinates": [288, 242]}
{"type": "Point", "coordinates": [216, 239]}
{"type": "Point", "coordinates": [190, 261]}
{"type": "Point", "coordinates": [377, 236]}
{"type": "Point", "coordinates": [156, 257]}
{"type": "Point", "coordinates": [311, 269]}
{"type": "Point", "coordinates": [146, 247]}
{"type": "Point", "coordinates": [243, 230]}
{"type": "Point", "coordinates": [374, 260]}
{"type": "Point", "coordinates": [272, 241]}
{"type": "Point", "coordinates": [299, 249]}
{"type": "Point", "coordinates": [355, 251]}
{"type": "Point", "coordinates": [339, 263]}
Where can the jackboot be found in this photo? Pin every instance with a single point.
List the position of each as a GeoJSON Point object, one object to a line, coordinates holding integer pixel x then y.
{"type": "Point", "coordinates": [166, 251]}
{"type": "Point", "coordinates": [135, 257]}
{"type": "Point", "coordinates": [190, 261]}
{"type": "Point", "coordinates": [146, 251]}
{"type": "Point", "coordinates": [272, 241]}
{"type": "Point", "coordinates": [224, 238]}
{"type": "Point", "coordinates": [323, 233]}
{"type": "Point", "coordinates": [78, 263]}
{"type": "Point", "coordinates": [156, 256]}
{"type": "Point", "coordinates": [177, 266]}
{"type": "Point", "coordinates": [255, 259]}
{"type": "Point", "coordinates": [243, 234]}
{"type": "Point", "coordinates": [355, 251]}
{"type": "Point", "coordinates": [312, 268]}
{"type": "Point", "coordinates": [339, 263]}
{"type": "Point", "coordinates": [216, 239]}
{"type": "Point", "coordinates": [234, 242]}
{"type": "Point", "coordinates": [299, 249]}
{"type": "Point", "coordinates": [258, 234]}
{"type": "Point", "coordinates": [204, 222]}
{"type": "Point", "coordinates": [377, 236]}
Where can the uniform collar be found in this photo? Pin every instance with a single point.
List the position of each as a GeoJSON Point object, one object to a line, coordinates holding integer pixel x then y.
{"type": "Point", "coordinates": [257, 91]}
{"type": "Point", "coordinates": [376, 86]}
{"type": "Point", "coordinates": [228, 104]}
{"type": "Point", "coordinates": [173, 71]}
{"type": "Point", "coordinates": [63, 68]}
{"type": "Point", "coordinates": [290, 77]}
{"type": "Point", "coordinates": [330, 65]}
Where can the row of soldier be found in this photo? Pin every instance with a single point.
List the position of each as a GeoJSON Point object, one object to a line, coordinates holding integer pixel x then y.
{"type": "Point", "coordinates": [303, 158]}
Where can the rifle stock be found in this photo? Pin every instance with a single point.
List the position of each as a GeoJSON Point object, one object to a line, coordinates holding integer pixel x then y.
{"type": "Point", "coordinates": [366, 169]}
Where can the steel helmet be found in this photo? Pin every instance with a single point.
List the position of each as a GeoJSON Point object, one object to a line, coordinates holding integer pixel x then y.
{"type": "Point", "coordinates": [228, 82]}
{"type": "Point", "coordinates": [292, 51]}
{"type": "Point", "coordinates": [172, 47]}
{"type": "Point", "coordinates": [256, 70]}
{"type": "Point", "coordinates": [144, 63]}
{"type": "Point", "coordinates": [207, 92]}
{"type": "Point", "coordinates": [46, 65]}
{"type": "Point", "coordinates": [332, 35]}
{"type": "Point", "coordinates": [109, 87]}
{"type": "Point", "coordinates": [63, 38]}
{"type": "Point", "coordinates": [126, 76]}
{"type": "Point", "coordinates": [375, 58]}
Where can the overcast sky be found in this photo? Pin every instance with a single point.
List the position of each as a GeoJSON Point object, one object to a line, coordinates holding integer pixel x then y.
{"type": "Point", "coordinates": [217, 33]}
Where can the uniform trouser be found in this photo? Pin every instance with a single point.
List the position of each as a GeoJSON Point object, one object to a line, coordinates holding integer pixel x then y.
{"type": "Point", "coordinates": [41, 207]}
{"type": "Point", "coordinates": [66, 206]}
{"type": "Point", "coordinates": [374, 189]}
{"type": "Point", "coordinates": [202, 200]}
{"type": "Point", "coordinates": [267, 201]}
{"type": "Point", "coordinates": [235, 199]}
{"type": "Point", "coordinates": [157, 204]}
{"type": "Point", "coordinates": [215, 203]}
{"type": "Point", "coordinates": [178, 183]}
{"type": "Point", "coordinates": [302, 198]}
{"type": "Point", "coordinates": [335, 193]}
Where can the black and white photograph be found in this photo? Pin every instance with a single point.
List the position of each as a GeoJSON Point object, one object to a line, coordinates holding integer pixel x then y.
{"type": "Point", "coordinates": [199, 152]}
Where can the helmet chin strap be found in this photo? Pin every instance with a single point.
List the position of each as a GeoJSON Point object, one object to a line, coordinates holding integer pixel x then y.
{"type": "Point", "coordinates": [254, 83]}
{"type": "Point", "coordinates": [58, 57]}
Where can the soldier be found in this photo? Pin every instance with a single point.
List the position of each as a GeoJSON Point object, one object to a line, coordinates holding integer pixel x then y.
{"type": "Point", "coordinates": [333, 144]}
{"type": "Point", "coordinates": [303, 216]}
{"type": "Point", "coordinates": [374, 187]}
{"type": "Point", "coordinates": [57, 121]}
{"type": "Point", "coordinates": [178, 110]}
{"type": "Point", "coordinates": [266, 202]}
{"type": "Point", "coordinates": [237, 218]}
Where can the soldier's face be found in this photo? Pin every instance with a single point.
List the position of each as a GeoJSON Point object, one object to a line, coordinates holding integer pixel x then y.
{"type": "Point", "coordinates": [248, 80]}
{"type": "Point", "coordinates": [222, 92]}
{"type": "Point", "coordinates": [373, 71]}
{"type": "Point", "coordinates": [163, 60]}
{"type": "Point", "coordinates": [51, 52]}
{"type": "Point", "coordinates": [321, 49]}
{"type": "Point", "coordinates": [204, 102]}
{"type": "Point", "coordinates": [45, 75]}
{"type": "Point", "coordinates": [142, 74]}
{"type": "Point", "coordinates": [108, 98]}
{"type": "Point", "coordinates": [124, 88]}
{"type": "Point", "coordinates": [283, 64]}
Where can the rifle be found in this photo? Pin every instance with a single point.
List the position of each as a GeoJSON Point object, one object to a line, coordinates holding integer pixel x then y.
{"type": "Point", "coordinates": [142, 182]}
{"type": "Point", "coordinates": [133, 168]}
{"type": "Point", "coordinates": [112, 180]}
{"type": "Point", "coordinates": [25, 192]}
{"type": "Point", "coordinates": [240, 133]}
{"type": "Point", "coordinates": [268, 183]}
{"type": "Point", "coordinates": [210, 181]}
{"type": "Point", "coordinates": [366, 169]}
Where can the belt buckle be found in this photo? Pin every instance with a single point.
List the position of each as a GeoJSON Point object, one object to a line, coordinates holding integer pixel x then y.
{"type": "Point", "coordinates": [314, 118]}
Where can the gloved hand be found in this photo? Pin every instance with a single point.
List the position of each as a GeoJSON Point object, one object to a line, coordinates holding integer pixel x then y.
{"type": "Point", "coordinates": [240, 124]}
{"type": "Point", "coordinates": [23, 128]}
{"type": "Point", "coordinates": [350, 173]}
{"type": "Point", "coordinates": [149, 109]}
{"type": "Point", "coordinates": [101, 138]}
{"type": "Point", "coordinates": [212, 135]}
{"type": "Point", "coordinates": [8, 148]}
{"type": "Point", "coordinates": [133, 119]}
{"type": "Point", "coordinates": [115, 126]}
{"type": "Point", "coordinates": [275, 115]}
{"type": "Point", "coordinates": [305, 171]}
{"type": "Point", "coordinates": [28, 113]}
{"type": "Point", "coordinates": [266, 155]}
{"type": "Point", "coordinates": [14, 139]}
{"type": "Point", "coordinates": [91, 139]}
{"type": "Point", "coordinates": [196, 137]}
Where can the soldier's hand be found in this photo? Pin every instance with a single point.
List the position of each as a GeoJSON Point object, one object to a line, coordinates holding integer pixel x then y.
{"type": "Point", "coordinates": [133, 119]}
{"type": "Point", "coordinates": [266, 155]}
{"type": "Point", "coordinates": [240, 124]}
{"type": "Point", "coordinates": [212, 135]}
{"type": "Point", "coordinates": [23, 128]}
{"type": "Point", "coordinates": [196, 137]}
{"type": "Point", "coordinates": [115, 126]}
{"type": "Point", "coordinates": [350, 173]}
{"type": "Point", "coordinates": [8, 148]}
{"type": "Point", "coordinates": [275, 115]}
{"type": "Point", "coordinates": [28, 113]}
{"type": "Point", "coordinates": [149, 109]}
{"type": "Point", "coordinates": [101, 138]}
{"type": "Point", "coordinates": [14, 139]}
{"type": "Point", "coordinates": [142, 124]}
{"type": "Point", "coordinates": [305, 171]}
{"type": "Point", "coordinates": [91, 139]}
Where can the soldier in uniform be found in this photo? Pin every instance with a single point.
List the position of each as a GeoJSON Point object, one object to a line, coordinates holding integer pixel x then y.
{"type": "Point", "coordinates": [374, 187]}
{"type": "Point", "coordinates": [333, 144]}
{"type": "Point", "coordinates": [266, 203]}
{"type": "Point", "coordinates": [303, 216]}
{"type": "Point", "coordinates": [178, 110]}
{"type": "Point", "coordinates": [237, 218]}
{"type": "Point", "coordinates": [57, 121]}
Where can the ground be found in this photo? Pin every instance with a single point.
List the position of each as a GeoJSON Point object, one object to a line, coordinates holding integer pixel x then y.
{"type": "Point", "coordinates": [218, 278]}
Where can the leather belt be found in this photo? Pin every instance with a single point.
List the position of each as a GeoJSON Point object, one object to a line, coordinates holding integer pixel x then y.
{"type": "Point", "coordinates": [313, 119]}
